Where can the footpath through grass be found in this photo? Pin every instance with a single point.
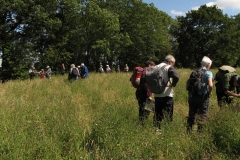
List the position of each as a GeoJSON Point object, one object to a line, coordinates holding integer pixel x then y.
{"type": "Point", "coordinates": [97, 118]}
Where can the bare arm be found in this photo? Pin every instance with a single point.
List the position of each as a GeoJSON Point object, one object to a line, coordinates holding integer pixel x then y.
{"type": "Point", "coordinates": [229, 93]}
{"type": "Point", "coordinates": [210, 84]}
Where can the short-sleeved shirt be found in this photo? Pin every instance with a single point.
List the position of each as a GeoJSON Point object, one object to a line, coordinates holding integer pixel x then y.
{"type": "Point", "coordinates": [207, 75]}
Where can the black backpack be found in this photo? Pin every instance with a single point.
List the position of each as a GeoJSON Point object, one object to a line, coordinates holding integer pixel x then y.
{"type": "Point", "coordinates": [195, 82]}
{"type": "Point", "coordinates": [75, 72]}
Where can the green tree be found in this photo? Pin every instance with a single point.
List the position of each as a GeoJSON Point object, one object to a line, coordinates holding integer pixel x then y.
{"type": "Point", "coordinates": [13, 18]}
{"type": "Point", "coordinates": [204, 32]}
{"type": "Point", "coordinates": [147, 28]}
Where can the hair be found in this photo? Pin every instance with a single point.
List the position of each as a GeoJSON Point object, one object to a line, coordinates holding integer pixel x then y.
{"type": "Point", "coordinates": [170, 58]}
{"type": "Point", "coordinates": [72, 65]}
{"type": "Point", "coordinates": [205, 61]}
{"type": "Point", "coordinates": [149, 62]}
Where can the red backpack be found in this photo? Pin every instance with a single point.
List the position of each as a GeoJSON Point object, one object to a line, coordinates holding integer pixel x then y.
{"type": "Point", "coordinates": [136, 77]}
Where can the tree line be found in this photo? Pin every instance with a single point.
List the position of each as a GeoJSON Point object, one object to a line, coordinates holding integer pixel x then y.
{"type": "Point", "coordinates": [50, 32]}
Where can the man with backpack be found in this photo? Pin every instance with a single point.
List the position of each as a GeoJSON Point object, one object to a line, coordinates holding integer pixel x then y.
{"type": "Point", "coordinates": [199, 86]}
{"type": "Point", "coordinates": [164, 101]}
{"type": "Point", "coordinates": [227, 86]}
{"type": "Point", "coordinates": [73, 73]}
{"type": "Point", "coordinates": [142, 93]}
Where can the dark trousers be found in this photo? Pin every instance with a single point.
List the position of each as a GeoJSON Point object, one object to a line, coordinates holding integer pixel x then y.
{"type": "Point", "coordinates": [198, 106]}
{"type": "Point", "coordinates": [163, 108]}
{"type": "Point", "coordinates": [141, 96]}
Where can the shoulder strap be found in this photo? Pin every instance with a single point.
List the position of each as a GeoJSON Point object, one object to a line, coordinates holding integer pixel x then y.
{"type": "Point", "coordinates": [163, 66]}
{"type": "Point", "coordinates": [162, 69]}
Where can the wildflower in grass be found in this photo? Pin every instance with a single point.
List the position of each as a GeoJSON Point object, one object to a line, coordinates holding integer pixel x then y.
{"type": "Point", "coordinates": [118, 145]}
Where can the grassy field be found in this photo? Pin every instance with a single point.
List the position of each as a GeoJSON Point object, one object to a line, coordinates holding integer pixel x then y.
{"type": "Point", "coordinates": [97, 118]}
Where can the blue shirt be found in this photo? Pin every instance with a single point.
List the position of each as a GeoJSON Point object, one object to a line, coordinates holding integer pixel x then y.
{"type": "Point", "coordinates": [208, 74]}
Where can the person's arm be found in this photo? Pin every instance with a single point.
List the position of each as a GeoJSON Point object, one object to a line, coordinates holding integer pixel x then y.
{"type": "Point", "coordinates": [149, 94]}
{"type": "Point", "coordinates": [226, 86]}
{"type": "Point", "coordinates": [229, 93]}
{"type": "Point", "coordinates": [172, 73]}
{"type": "Point", "coordinates": [210, 84]}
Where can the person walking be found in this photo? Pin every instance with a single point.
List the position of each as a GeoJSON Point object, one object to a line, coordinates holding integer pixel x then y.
{"type": "Point", "coordinates": [73, 73]}
{"type": "Point", "coordinates": [126, 68]}
{"type": "Point", "coordinates": [100, 69]}
{"type": "Point", "coordinates": [63, 69]}
{"type": "Point", "coordinates": [84, 71]}
{"type": "Point", "coordinates": [198, 99]}
{"type": "Point", "coordinates": [48, 72]}
{"type": "Point", "coordinates": [164, 102]}
{"type": "Point", "coordinates": [42, 74]}
{"type": "Point", "coordinates": [142, 93]}
{"type": "Point", "coordinates": [108, 69]}
{"type": "Point", "coordinates": [31, 73]}
{"type": "Point", "coordinates": [118, 69]}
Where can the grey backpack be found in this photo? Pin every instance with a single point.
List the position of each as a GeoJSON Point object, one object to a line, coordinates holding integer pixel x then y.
{"type": "Point", "coordinates": [154, 79]}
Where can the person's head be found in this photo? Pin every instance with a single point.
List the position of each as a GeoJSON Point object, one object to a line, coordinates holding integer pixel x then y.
{"type": "Point", "coordinates": [237, 81]}
{"type": "Point", "coordinates": [72, 65]}
{"type": "Point", "coordinates": [32, 67]}
{"type": "Point", "coordinates": [206, 62]}
{"type": "Point", "coordinates": [47, 67]}
{"type": "Point", "coordinates": [82, 64]}
{"type": "Point", "coordinates": [79, 66]}
{"type": "Point", "coordinates": [149, 63]}
{"type": "Point", "coordinates": [170, 60]}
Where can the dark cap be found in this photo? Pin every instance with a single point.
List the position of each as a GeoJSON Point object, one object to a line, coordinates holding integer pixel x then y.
{"type": "Point", "coordinates": [238, 80]}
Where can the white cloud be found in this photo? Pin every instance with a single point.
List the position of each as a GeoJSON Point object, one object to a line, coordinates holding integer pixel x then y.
{"type": "Point", "coordinates": [211, 4]}
{"type": "Point", "coordinates": [223, 4]}
{"type": "Point", "coordinates": [233, 4]}
{"type": "Point", "coordinates": [178, 13]}
{"type": "Point", "coordinates": [195, 8]}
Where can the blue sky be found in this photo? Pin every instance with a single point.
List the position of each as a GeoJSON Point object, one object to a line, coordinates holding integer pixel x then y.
{"type": "Point", "coordinates": [180, 7]}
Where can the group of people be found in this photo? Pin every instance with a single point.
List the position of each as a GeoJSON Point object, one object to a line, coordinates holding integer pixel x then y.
{"type": "Point", "coordinates": [42, 74]}
{"type": "Point", "coordinates": [74, 73]}
{"type": "Point", "coordinates": [164, 101]}
{"type": "Point", "coordinates": [108, 69]}
{"type": "Point", "coordinates": [78, 72]}
{"type": "Point", "coordinates": [227, 80]}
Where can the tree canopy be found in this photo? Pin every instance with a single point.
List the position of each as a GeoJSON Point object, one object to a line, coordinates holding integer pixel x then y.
{"type": "Point", "coordinates": [205, 32]}
{"type": "Point", "coordinates": [42, 33]}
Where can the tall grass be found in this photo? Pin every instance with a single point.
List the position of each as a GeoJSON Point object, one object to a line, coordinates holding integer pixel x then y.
{"type": "Point", "coordinates": [97, 118]}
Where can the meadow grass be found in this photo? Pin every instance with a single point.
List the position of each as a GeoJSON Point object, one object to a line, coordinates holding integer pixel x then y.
{"type": "Point", "coordinates": [97, 118]}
